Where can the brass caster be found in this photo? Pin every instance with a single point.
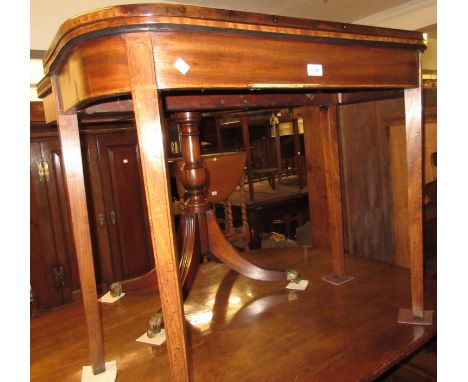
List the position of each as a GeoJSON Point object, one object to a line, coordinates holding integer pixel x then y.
{"type": "Point", "coordinates": [115, 289]}
{"type": "Point", "coordinates": [293, 276]}
{"type": "Point", "coordinates": [155, 325]}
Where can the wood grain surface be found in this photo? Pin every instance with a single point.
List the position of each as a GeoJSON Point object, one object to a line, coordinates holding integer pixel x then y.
{"type": "Point", "coordinates": [330, 146]}
{"type": "Point", "coordinates": [268, 62]}
{"type": "Point", "coordinates": [315, 166]}
{"type": "Point", "coordinates": [131, 18]}
{"type": "Point", "coordinates": [154, 167]}
{"type": "Point", "coordinates": [414, 155]}
{"type": "Point", "coordinates": [240, 329]}
{"type": "Point", "coordinates": [75, 188]}
{"type": "Point", "coordinates": [120, 50]}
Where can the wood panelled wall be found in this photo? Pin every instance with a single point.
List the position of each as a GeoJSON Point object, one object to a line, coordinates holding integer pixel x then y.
{"type": "Point", "coordinates": [373, 175]}
{"type": "Point", "coordinates": [367, 198]}
{"type": "Point", "coordinates": [373, 165]}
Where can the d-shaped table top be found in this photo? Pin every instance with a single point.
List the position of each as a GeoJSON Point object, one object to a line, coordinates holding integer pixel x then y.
{"type": "Point", "coordinates": [197, 48]}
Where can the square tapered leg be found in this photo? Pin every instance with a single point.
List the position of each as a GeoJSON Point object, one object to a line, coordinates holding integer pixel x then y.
{"type": "Point", "coordinates": [406, 316]}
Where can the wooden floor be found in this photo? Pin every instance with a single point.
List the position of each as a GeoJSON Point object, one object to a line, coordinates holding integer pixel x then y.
{"type": "Point", "coordinates": [419, 367]}
{"type": "Point", "coordinates": [245, 330]}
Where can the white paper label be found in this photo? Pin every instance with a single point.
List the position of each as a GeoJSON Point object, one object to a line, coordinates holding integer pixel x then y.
{"type": "Point", "coordinates": [314, 70]}
{"type": "Point", "coordinates": [108, 299]}
{"type": "Point", "coordinates": [157, 340]}
{"type": "Point", "coordinates": [301, 285]}
{"type": "Point", "coordinates": [181, 66]}
{"type": "Point", "coordinates": [214, 192]}
{"type": "Point", "coordinates": [109, 375]}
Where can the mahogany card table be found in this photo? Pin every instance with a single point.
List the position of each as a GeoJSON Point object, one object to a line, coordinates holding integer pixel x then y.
{"type": "Point", "coordinates": [177, 61]}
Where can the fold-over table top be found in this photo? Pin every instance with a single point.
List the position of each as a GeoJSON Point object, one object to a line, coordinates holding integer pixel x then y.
{"type": "Point", "coordinates": [201, 48]}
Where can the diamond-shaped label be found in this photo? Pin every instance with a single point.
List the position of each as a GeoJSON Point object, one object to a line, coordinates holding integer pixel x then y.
{"type": "Point", "coordinates": [182, 66]}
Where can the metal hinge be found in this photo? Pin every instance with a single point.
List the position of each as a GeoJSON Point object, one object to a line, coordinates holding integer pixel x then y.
{"type": "Point", "coordinates": [113, 217]}
{"type": "Point", "coordinates": [43, 171]}
{"type": "Point", "coordinates": [59, 277]}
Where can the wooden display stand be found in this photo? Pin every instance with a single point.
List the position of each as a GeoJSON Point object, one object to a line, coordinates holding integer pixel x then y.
{"type": "Point", "coordinates": [151, 52]}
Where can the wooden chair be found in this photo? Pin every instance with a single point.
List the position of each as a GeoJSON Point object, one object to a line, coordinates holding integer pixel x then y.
{"type": "Point", "coordinates": [225, 174]}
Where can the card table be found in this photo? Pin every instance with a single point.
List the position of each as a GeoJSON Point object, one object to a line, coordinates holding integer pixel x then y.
{"type": "Point", "coordinates": [168, 60]}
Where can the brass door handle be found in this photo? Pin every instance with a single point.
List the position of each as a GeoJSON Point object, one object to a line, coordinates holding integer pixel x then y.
{"type": "Point", "coordinates": [43, 171]}
{"type": "Point", "coordinates": [46, 170]}
{"type": "Point", "coordinates": [40, 171]}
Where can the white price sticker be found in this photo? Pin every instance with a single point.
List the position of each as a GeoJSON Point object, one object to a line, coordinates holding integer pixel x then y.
{"type": "Point", "coordinates": [301, 285]}
{"type": "Point", "coordinates": [315, 70]}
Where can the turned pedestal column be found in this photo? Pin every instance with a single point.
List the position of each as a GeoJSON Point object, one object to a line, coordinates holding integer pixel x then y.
{"type": "Point", "coordinates": [194, 175]}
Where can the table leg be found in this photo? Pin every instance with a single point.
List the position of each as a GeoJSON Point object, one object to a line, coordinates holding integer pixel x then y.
{"type": "Point", "coordinates": [244, 119]}
{"type": "Point", "coordinates": [75, 187]}
{"type": "Point", "coordinates": [271, 180]}
{"type": "Point", "coordinates": [298, 154]}
{"type": "Point", "coordinates": [329, 137]}
{"type": "Point", "coordinates": [315, 172]}
{"type": "Point", "coordinates": [219, 134]}
{"type": "Point", "coordinates": [413, 115]}
{"type": "Point", "coordinates": [256, 229]}
{"type": "Point", "coordinates": [148, 116]}
{"type": "Point", "coordinates": [278, 151]}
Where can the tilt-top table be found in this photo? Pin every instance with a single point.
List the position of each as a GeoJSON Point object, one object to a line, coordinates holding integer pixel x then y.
{"type": "Point", "coordinates": [177, 61]}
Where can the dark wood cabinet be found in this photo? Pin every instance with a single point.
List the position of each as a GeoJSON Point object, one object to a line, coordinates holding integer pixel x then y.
{"type": "Point", "coordinates": [116, 209]}
{"type": "Point", "coordinates": [53, 266]}
{"type": "Point", "coordinates": [122, 210]}
{"type": "Point", "coordinates": [366, 188]}
{"type": "Point", "coordinates": [374, 179]}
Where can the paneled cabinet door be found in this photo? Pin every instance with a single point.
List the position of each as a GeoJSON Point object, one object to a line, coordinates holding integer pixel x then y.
{"type": "Point", "coordinates": [52, 263]}
{"type": "Point", "coordinates": [124, 203]}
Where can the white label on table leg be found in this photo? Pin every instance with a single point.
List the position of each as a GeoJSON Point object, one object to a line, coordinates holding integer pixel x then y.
{"type": "Point", "coordinates": [109, 375]}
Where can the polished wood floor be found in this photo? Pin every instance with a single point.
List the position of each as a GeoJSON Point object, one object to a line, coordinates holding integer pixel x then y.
{"type": "Point", "coordinates": [419, 367]}
{"type": "Point", "coordinates": [246, 330]}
